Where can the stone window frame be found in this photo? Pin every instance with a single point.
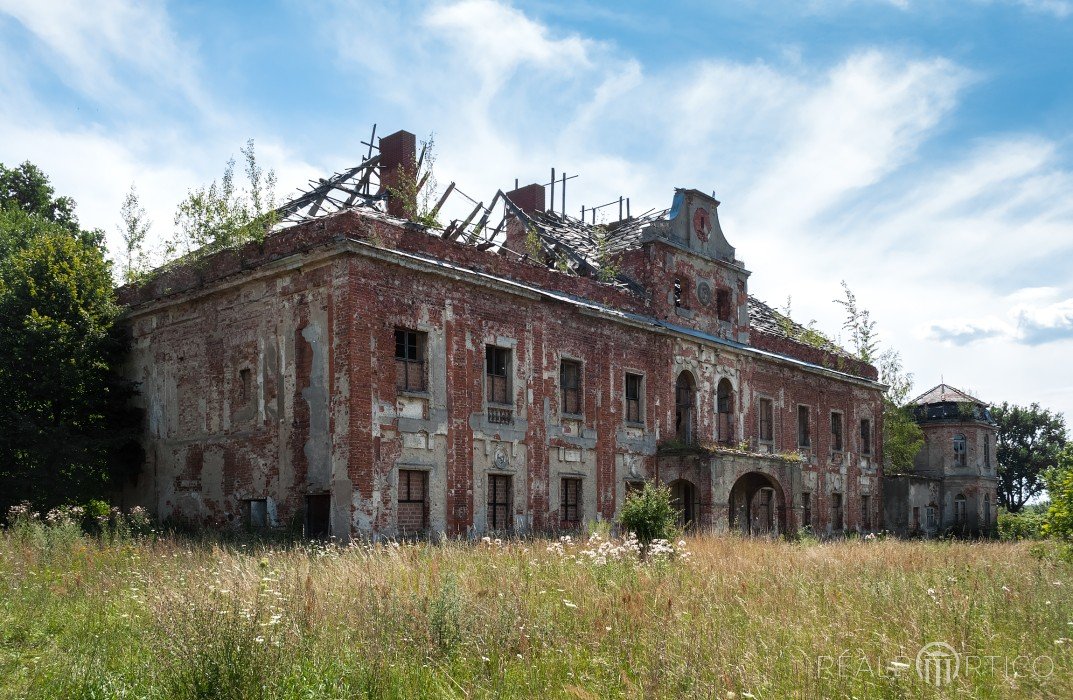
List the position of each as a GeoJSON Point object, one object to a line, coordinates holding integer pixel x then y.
{"type": "Point", "coordinates": [425, 501]}
{"type": "Point", "coordinates": [642, 381]}
{"type": "Point", "coordinates": [838, 523]}
{"type": "Point", "coordinates": [565, 360]}
{"type": "Point", "coordinates": [841, 433]}
{"type": "Point", "coordinates": [961, 450]}
{"type": "Point", "coordinates": [500, 412]}
{"type": "Point", "coordinates": [250, 514]}
{"type": "Point", "coordinates": [493, 504]}
{"type": "Point", "coordinates": [578, 502]}
{"type": "Point", "coordinates": [867, 448]}
{"type": "Point", "coordinates": [807, 444]}
{"type": "Point", "coordinates": [769, 442]}
{"type": "Point", "coordinates": [406, 366]}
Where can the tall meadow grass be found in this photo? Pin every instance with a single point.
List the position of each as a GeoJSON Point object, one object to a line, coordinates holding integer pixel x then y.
{"type": "Point", "coordinates": [721, 617]}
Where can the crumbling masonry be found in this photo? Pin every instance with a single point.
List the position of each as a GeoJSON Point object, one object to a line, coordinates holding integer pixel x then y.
{"type": "Point", "coordinates": [357, 373]}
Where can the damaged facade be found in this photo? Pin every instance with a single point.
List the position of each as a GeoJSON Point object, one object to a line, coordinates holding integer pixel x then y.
{"type": "Point", "coordinates": [953, 486]}
{"type": "Point", "coordinates": [358, 373]}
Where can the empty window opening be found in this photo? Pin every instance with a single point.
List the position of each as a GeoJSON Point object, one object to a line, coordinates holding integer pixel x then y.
{"type": "Point", "coordinates": [318, 516]}
{"type": "Point", "coordinates": [683, 499]}
{"type": "Point", "coordinates": [767, 422]}
{"type": "Point", "coordinates": [413, 501]}
{"type": "Point", "coordinates": [866, 436]}
{"type": "Point", "coordinates": [255, 513]}
{"type": "Point", "coordinates": [804, 438]}
{"type": "Point", "coordinates": [806, 509]}
{"type": "Point", "coordinates": [245, 384]}
{"type": "Point", "coordinates": [678, 291]}
{"type": "Point", "coordinates": [836, 512]}
{"type": "Point", "coordinates": [570, 502]}
{"type": "Point", "coordinates": [497, 379]}
{"type": "Point", "coordinates": [499, 498]}
{"type": "Point", "coordinates": [866, 511]}
{"type": "Point", "coordinates": [931, 517]}
{"type": "Point", "coordinates": [409, 360]}
{"type": "Point", "coordinates": [723, 306]}
{"type": "Point", "coordinates": [987, 451]}
{"type": "Point", "coordinates": [724, 406]}
{"type": "Point", "coordinates": [633, 398]}
{"type": "Point", "coordinates": [960, 456]}
{"type": "Point", "coordinates": [916, 517]}
{"type": "Point", "coordinates": [836, 432]}
{"type": "Point", "coordinates": [570, 386]}
{"type": "Point", "coordinates": [683, 407]}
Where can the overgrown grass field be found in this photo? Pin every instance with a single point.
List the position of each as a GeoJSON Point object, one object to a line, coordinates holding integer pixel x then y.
{"type": "Point", "coordinates": [85, 617]}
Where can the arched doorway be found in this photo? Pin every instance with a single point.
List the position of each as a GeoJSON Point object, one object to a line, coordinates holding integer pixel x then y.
{"type": "Point", "coordinates": [684, 392]}
{"type": "Point", "coordinates": [684, 500]}
{"type": "Point", "coordinates": [756, 505]}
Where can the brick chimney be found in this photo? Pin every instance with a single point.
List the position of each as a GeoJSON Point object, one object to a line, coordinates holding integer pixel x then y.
{"type": "Point", "coordinates": [529, 198]}
{"type": "Point", "coordinates": [398, 172]}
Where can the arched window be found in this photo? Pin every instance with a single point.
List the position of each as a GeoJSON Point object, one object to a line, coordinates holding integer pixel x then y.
{"type": "Point", "coordinates": [684, 390]}
{"type": "Point", "coordinates": [960, 450]}
{"type": "Point", "coordinates": [959, 509]}
{"type": "Point", "coordinates": [724, 406]}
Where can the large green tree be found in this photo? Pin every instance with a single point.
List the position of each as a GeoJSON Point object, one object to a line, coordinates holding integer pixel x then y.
{"type": "Point", "coordinates": [66, 433]}
{"type": "Point", "coordinates": [1059, 480]}
{"type": "Point", "coordinates": [1030, 439]}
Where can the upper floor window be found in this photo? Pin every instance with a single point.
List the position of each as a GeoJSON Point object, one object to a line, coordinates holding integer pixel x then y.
{"type": "Point", "coordinates": [683, 406]}
{"type": "Point", "coordinates": [723, 306]}
{"type": "Point", "coordinates": [866, 436]}
{"type": "Point", "coordinates": [570, 386]}
{"type": "Point", "coordinates": [767, 422]}
{"type": "Point", "coordinates": [679, 293]}
{"type": "Point", "coordinates": [836, 432]}
{"type": "Point", "coordinates": [960, 450]}
{"type": "Point", "coordinates": [987, 451]}
{"type": "Point", "coordinates": [409, 360]}
{"type": "Point", "coordinates": [497, 380]}
{"type": "Point", "coordinates": [724, 405]}
{"type": "Point", "coordinates": [634, 383]}
{"type": "Point", "coordinates": [804, 438]}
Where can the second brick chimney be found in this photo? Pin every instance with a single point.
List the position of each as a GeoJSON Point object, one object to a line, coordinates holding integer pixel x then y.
{"type": "Point", "coordinates": [398, 173]}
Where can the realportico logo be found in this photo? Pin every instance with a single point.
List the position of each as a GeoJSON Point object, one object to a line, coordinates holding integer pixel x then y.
{"type": "Point", "coordinates": [938, 663]}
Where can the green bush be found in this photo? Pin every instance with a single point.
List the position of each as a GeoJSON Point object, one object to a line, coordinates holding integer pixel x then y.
{"type": "Point", "coordinates": [649, 514]}
{"type": "Point", "coordinates": [1026, 525]}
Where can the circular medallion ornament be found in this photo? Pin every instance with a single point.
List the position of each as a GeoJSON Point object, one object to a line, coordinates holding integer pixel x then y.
{"type": "Point", "coordinates": [702, 223]}
{"type": "Point", "coordinates": [704, 293]}
{"type": "Point", "coordinates": [501, 460]}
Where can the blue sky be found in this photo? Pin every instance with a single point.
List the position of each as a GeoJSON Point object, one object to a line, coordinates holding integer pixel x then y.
{"type": "Point", "coordinates": [922, 151]}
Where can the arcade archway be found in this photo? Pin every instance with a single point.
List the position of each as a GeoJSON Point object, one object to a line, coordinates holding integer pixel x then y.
{"type": "Point", "coordinates": [757, 505]}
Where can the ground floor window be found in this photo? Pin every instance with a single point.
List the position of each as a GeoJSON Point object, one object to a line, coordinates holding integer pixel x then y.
{"type": "Point", "coordinates": [413, 501]}
{"type": "Point", "coordinates": [806, 509]}
{"type": "Point", "coordinates": [570, 502]}
{"type": "Point", "coordinates": [683, 496]}
{"type": "Point", "coordinates": [255, 513]}
{"type": "Point", "coordinates": [318, 513]}
{"type": "Point", "coordinates": [836, 512]}
{"type": "Point", "coordinates": [500, 489]}
{"type": "Point", "coordinates": [866, 511]}
{"type": "Point", "coordinates": [931, 517]}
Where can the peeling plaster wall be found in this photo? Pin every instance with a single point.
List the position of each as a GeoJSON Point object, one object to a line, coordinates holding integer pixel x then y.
{"type": "Point", "coordinates": [279, 381]}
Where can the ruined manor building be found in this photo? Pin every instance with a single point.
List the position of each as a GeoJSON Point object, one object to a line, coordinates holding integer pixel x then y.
{"type": "Point", "coordinates": [953, 485]}
{"type": "Point", "coordinates": [359, 373]}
